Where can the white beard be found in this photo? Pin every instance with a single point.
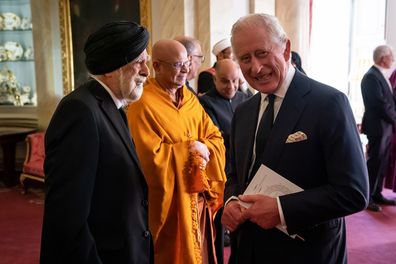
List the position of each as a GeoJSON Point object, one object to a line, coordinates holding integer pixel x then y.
{"type": "Point", "coordinates": [137, 93]}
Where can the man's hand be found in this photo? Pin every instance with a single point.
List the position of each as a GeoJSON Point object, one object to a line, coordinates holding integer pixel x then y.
{"type": "Point", "coordinates": [232, 216]}
{"type": "Point", "coordinates": [201, 149]}
{"type": "Point", "coordinates": [263, 210]}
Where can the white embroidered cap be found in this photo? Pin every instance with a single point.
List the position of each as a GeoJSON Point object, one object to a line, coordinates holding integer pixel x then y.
{"type": "Point", "coordinates": [221, 45]}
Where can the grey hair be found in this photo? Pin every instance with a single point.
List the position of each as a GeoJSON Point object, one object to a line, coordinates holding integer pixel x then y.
{"type": "Point", "coordinates": [270, 23]}
{"type": "Point", "coordinates": [381, 51]}
{"type": "Point", "coordinates": [189, 43]}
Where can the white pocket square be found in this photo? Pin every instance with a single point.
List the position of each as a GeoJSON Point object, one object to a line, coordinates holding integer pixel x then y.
{"type": "Point", "coordinates": [296, 137]}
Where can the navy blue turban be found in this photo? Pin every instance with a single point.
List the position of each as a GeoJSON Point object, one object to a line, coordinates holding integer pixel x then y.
{"type": "Point", "coordinates": [114, 45]}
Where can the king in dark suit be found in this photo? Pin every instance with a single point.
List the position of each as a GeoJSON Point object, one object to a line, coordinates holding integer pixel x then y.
{"type": "Point", "coordinates": [311, 140]}
{"type": "Point", "coordinates": [378, 123]}
{"type": "Point", "coordinates": [96, 195]}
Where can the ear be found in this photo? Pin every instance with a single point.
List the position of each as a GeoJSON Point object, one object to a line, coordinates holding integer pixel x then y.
{"type": "Point", "coordinates": [287, 52]}
{"type": "Point", "coordinates": [156, 65]}
{"type": "Point", "coordinates": [106, 77]}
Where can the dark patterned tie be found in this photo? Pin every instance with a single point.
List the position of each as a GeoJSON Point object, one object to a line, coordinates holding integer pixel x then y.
{"type": "Point", "coordinates": [263, 132]}
{"type": "Point", "coordinates": [123, 115]}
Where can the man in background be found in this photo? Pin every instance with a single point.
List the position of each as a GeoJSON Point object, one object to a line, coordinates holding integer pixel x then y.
{"type": "Point", "coordinates": [220, 104]}
{"type": "Point", "coordinates": [303, 130]}
{"type": "Point", "coordinates": [378, 121]}
{"type": "Point", "coordinates": [296, 61]}
{"type": "Point", "coordinates": [194, 53]}
{"type": "Point", "coordinates": [222, 50]}
{"type": "Point", "coordinates": [95, 191]}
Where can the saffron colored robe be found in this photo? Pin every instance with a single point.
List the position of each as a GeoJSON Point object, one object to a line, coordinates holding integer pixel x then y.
{"type": "Point", "coordinates": [162, 133]}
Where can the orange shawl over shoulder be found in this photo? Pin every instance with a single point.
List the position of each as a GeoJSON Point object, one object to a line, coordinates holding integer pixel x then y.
{"type": "Point", "coordinates": [162, 132]}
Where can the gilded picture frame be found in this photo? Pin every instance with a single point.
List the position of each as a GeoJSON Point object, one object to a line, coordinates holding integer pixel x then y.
{"type": "Point", "coordinates": [66, 34]}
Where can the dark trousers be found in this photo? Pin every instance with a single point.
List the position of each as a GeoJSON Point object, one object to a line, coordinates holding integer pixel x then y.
{"type": "Point", "coordinates": [377, 162]}
{"type": "Point", "coordinates": [219, 241]}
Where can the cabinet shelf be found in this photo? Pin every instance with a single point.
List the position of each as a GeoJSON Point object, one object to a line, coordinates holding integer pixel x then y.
{"type": "Point", "coordinates": [14, 3]}
{"type": "Point", "coordinates": [16, 30]}
{"type": "Point", "coordinates": [5, 61]}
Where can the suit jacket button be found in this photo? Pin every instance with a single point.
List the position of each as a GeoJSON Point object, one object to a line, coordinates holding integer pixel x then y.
{"type": "Point", "coordinates": [144, 203]}
{"type": "Point", "coordinates": [146, 233]}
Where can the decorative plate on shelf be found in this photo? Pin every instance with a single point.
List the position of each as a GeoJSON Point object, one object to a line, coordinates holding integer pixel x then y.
{"type": "Point", "coordinates": [26, 23]}
{"type": "Point", "coordinates": [11, 21]}
{"type": "Point", "coordinates": [3, 53]}
{"type": "Point", "coordinates": [14, 50]}
{"type": "Point", "coordinates": [28, 54]}
{"type": "Point", "coordinates": [6, 75]}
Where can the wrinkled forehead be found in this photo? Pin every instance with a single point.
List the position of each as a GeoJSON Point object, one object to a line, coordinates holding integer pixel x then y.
{"type": "Point", "coordinates": [244, 41]}
{"type": "Point", "coordinates": [227, 69]}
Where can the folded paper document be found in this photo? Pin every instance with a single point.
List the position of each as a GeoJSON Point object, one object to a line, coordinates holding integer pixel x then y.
{"type": "Point", "coordinates": [270, 183]}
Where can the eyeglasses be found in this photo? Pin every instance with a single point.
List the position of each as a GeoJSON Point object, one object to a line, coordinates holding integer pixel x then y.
{"type": "Point", "coordinates": [177, 65]}
{"type": "Point", "coordinates": [201, 57]}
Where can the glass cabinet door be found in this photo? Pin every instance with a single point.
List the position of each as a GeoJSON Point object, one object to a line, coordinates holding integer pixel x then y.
{"type": "Point", "coordinates": [17, 69]}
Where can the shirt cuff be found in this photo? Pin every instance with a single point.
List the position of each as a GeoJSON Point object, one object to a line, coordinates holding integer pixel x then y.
{"type": "Point", "coordinates": [232, 198]}
{"type": "Point", "coordinates": [282, 217]}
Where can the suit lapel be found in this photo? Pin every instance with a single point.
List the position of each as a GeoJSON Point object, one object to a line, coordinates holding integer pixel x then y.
{"type": "Point", "coordinates": [113, 116]}
{"type": "Point", "coordinates": [384, 85]}
{"type": "Point", "coordinates": [291, 109]}
{"type": "Point", "coordinates": [248, 126]}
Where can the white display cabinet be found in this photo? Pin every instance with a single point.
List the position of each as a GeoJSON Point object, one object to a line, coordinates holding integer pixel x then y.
{"type": "Point", "coordinates": [17, 68]}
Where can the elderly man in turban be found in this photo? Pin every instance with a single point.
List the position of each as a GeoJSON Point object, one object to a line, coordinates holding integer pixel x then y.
{"type": "Point", "coordinates": [183, 159]}
{"type": "Point", "coordinates": [96, 194]}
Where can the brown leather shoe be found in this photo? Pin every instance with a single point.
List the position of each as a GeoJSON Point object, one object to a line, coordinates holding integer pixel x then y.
{"type": "Point", "coordinates": [374, 207]}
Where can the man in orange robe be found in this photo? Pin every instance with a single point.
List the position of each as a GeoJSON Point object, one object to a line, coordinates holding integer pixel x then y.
{"type": "Point", "coordinates": [183, 158]}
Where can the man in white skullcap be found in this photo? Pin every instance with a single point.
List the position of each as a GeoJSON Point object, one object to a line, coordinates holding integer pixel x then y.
{"type": "Point", "coordinates": [222, 50]}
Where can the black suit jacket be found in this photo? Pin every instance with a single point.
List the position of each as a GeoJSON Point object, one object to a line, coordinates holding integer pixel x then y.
{"type": "Point", "coordinates": [96, 195]}
{"type": "Point", "coordinates": [379, 103]}
{"type": "Point", "coordinates": [205, 81]}
{"type": "Point", "coordinates": [329, 166]}
{"type": "Point", "coordinates": [221, 111]}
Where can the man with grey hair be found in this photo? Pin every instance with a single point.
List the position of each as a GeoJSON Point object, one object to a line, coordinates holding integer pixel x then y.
{"type": "Point", "coordinates": [378, 121]}
{"type": "Point", "coordinates": [303, 130]}
{"type": "Point", "coordinates": [194, 53]}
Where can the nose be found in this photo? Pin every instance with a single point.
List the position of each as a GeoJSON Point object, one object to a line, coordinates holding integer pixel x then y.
{"type": "Point", "coordinates": [229, 85]}
{"type": "Point", "coordinates": [185, 68]}
{"type": "Point", "coordinates": [255, 65]}
{"type": "Point", "coordinates": [144, 70]}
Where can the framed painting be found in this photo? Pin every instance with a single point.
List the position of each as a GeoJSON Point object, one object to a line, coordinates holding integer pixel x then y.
{"type": "Point", "coordinates": [79, 18]}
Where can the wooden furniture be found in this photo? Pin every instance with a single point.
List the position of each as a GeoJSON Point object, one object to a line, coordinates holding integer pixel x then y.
{"type": "Point", "coordinates": [9, 137]}
{"type": "Point", "coordinates": [33, 167]}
